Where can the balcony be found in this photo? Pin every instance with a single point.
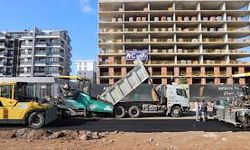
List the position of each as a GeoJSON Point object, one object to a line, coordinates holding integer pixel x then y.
{"type": "Point", "coordinates": [55, 63]}
{"type": "Point", "coordinates": [136, 30]}
{"type": "Point", "coordinates": [40, 63]}
{"type": "Point", "coordinates": [56, 54]}
{"type": "Point", "coordinates": [209, 73]}
{"type": "Point", "coordinates": [156, 73]}
{"type": "Point", "coordinates": [3, 63]}
{"type": "Point", "coordinates": [41, 53]}
{"type": "Point", "coordinates": [39, 72]}
{"type": "Point", "coordinates": [104, 30]}
{"type": "Point", "coordinates": [24, 45]}
{"type": "Point", "coordinates": [3, 54]}
{"type": "Point", "coordinates": [24, 73]}
{"type": "Point", "coordinates": [27, 35]}
{"type": "Point", "coordinates": [2, 45]}
{"type": "Point", "coordinates": [41, 44]}
{"type": "Point", "coordinates": [196, 73]}
{"type": "Point", "coordinates": [23, 54]}
{"type": "Point", "coordinates": [213, 40]}
{"type": "Point", "coordinates": [104, 74]}
{"type": "Point", "coordinates": [25, 63]}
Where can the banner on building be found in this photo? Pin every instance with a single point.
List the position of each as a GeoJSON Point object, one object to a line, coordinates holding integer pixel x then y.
{"type": "Point", "coordinates": [136, 54]}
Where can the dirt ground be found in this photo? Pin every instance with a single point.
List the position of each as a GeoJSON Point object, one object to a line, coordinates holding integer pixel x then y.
{"type": "Point", "coordinates": [72, 140]}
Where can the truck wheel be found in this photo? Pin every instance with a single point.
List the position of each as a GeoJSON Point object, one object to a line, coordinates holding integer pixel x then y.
{"type": "Point", "coordinates": [120, 112]}
{"type": "Point", "coordinates": [134, 112]}
{"type": "Point", "coordinates": [176, 111]}
{"type": "Point", "coordinates": [36, 120]}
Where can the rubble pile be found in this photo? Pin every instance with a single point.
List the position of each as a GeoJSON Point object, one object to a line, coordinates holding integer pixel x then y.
{"type": "Point", "coordinates": [32, 134]}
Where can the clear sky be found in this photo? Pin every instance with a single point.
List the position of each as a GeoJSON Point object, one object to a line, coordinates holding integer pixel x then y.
{"type": "Point", "coordinates": [79, 17]}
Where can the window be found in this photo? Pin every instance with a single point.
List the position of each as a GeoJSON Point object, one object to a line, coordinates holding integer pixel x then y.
{"type": "Point", "coordinates": [181, 92]}
{"type": "Point", "coordinates": [6, 91]}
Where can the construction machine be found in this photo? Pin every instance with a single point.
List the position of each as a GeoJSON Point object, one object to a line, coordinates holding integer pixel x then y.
{"type": "Point", "coordinates": [74, 98]}
{"type": "Point", "coordinates": [17, 107]}
{"type": "Point", "coordinates": [236, 111]}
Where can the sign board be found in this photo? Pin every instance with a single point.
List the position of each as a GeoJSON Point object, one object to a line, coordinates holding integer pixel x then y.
{"type": "Point", "coordinates": [136, 54]}
{"type": "Point", "coordinates": [214, 92]}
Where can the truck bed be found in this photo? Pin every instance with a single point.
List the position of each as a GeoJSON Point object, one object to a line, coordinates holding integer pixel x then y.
{"type": "Point", "coordinates": [125, 85]}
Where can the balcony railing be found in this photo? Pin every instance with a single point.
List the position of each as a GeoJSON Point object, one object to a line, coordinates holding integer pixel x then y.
{"type": "Point", "coordinates": [209, 73]}
{"type": "Point", "coordinates": [104, 74]}
{"type": "Point", "coordinates": [41, 43]}
{"type": "Point", "coordinates": [26, 44]}
{"type": "Point", "coordinates": [40, 62]}
{"type": "Point", "coordinates": [26, 63]}
{"type": "Point", "coordinates": [196, 73]}
{"type": "Point", "coordinates": [41, 53]}
{"type": "Point", "coordinates": [156, 73]}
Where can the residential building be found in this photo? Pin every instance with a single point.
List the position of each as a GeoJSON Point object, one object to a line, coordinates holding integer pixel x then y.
{"type": "Point", "coordinates": [86, 68]}
{"type": "Point", "coordinates": [35, 52]}
{"type": "Point", "coordinates": [199, 40]}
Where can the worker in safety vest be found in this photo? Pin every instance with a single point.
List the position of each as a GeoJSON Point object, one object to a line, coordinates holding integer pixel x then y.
{"type": "Point", "coordinates": [203, 110]}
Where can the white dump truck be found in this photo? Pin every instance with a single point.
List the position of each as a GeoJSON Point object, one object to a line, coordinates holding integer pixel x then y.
{"type": "Point", "coordinates": [131, 97]}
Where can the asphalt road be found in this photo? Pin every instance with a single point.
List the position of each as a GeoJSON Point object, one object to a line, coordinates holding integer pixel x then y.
{"type": "Point", "coordinates": [147, 124]}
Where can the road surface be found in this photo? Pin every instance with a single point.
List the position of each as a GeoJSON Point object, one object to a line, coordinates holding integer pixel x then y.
{"type": "Point", "coordinates": [146, 124]}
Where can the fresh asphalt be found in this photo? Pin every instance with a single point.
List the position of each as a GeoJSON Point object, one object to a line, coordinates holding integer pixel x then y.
{"type": "Point", "coordinates": [145, 124]}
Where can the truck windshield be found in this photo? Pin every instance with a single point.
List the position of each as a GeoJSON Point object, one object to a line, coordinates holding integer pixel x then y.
{"type": "Point", "coordinates": [181, 92]}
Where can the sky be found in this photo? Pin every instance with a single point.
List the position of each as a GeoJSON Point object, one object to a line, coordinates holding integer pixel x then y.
{"type": "Point", "coordinates": [78, 17]}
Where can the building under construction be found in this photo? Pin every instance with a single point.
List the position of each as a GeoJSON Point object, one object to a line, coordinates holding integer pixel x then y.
{"type": "Point", "coordinates": [200, 41]}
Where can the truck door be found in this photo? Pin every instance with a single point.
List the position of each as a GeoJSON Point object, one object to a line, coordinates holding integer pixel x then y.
{"type": "Point", "coordinates": [177, 95]}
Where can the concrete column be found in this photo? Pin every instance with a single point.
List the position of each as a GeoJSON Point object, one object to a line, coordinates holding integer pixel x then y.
{"type": "Point", "coordinates": [217, 71]}
{"type": "Point", "coordinates": [111, 59]}
{"type": "Point", "coordinates": [230, 80]}
{"type": "Point", "coordinates": [111, 81]}
{"type": "Point", "coordinates": [226, 38]}
{"type": "Point", "coordinates": [241, 80]}
{"type": "Point", "coordinates": [163, 71]}
{"type": "Point", "coordinates": [241, 69]}
{"type": "Point", "coordinates": [176, 71]}
{"type": "Point", "coordinates": [111, 71]}
{"type": "Point", "coordinates": [164, 81]}
{"type": "Point", "coordinates": [124, 71]}
{"type": "Point", "coordinates": [189, 81]}
{"type": "Point", "coordinates": [123, 60]}
{"type": "Point", "coordinates": [203, 81]}
{"type": "Point", "coordinates": [198, 6]}
{"type": "Point", "coordinates": [229, 71]}
{"type": "Point", "coordinates": [175, 60]}
{"type": "Point", "coordinates": [203, 71]}
{"type": "Point", "coordinates": [216, 81]}
{"type": "Point", "coordinates": [176, 80]}
{"type": "Point", "coordinates": [189, 71]}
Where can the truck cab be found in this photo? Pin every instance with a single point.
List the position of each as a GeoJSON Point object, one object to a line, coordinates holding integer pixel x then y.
{"type": "Point", "coordinates": [177, 100]}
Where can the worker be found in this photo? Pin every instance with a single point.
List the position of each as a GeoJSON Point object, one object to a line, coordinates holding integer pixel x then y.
{"type": "Point", "coordinates": [197, 110]}
{"type": "Point", "coordinates": [203, 109]}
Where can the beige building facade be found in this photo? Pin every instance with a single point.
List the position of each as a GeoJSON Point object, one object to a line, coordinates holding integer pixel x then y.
{"type": "Point", "coordinates": [200, 41]}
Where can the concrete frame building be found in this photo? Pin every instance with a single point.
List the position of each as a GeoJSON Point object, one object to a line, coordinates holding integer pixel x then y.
{"type": "Point", "coordinates": [35, 53]}
{"type": "Point", "coordinates": [86, 68]}
{"type": "Point", "coordinates": [199, 40]}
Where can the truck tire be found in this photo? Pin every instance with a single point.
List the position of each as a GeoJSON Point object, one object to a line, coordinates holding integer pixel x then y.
{"type": "Point", "coordinates": [134, 112]}
{"type": "Point", "coordinates": [119, 112]}
{"type": "Point", "coordinates": [36, 120]}
{"type": "Point", "coordinates": [176, 111]}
